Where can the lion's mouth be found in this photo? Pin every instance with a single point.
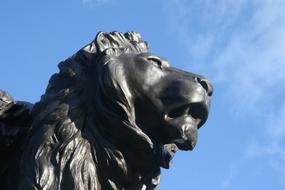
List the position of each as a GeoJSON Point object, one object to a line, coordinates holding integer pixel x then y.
{"type": "Point", "coordinates": [174, 128]}
{"type": "Point", "coordinates": [182, 124]}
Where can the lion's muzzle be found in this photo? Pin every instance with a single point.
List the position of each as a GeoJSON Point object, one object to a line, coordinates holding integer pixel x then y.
{"type": "Point", "coordinates": [188, 111]}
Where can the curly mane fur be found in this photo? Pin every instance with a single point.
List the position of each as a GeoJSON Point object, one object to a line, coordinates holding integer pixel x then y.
{"type": "Point", "coordinates": [85, 135]}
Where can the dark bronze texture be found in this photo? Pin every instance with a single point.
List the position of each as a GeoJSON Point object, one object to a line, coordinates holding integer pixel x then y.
{"type": "Point", "coordinates": [111, 117]}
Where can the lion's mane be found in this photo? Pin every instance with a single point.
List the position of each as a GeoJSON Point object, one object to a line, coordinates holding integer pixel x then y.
{"type": "Point", "coordinates": [85, 135]}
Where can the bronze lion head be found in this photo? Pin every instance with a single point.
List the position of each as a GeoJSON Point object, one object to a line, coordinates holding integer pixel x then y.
{"type": "Point", "coordinates": [113, 115]}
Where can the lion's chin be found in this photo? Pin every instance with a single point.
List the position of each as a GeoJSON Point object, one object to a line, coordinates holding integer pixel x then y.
{"type": "Point", "coordinates": [185, 141]}
{"type": "Point", "coordinates": [167, 153]}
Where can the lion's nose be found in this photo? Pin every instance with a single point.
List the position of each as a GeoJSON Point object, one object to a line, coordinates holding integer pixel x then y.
{"type": "Point", "coordinates": [205, 83]}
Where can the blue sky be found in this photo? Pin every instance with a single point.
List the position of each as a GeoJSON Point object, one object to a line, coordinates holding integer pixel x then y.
{"type": "Point", "coordinates": [239, 45]}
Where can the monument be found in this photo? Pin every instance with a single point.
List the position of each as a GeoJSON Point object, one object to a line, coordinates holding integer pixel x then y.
{"type": "Point", "coordinates": [109, 119]}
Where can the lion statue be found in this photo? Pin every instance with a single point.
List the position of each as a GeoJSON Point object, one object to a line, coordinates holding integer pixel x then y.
{"type": "Point", "coordinates": [111, 117]}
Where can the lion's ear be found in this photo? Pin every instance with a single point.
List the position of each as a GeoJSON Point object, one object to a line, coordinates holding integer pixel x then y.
{"type": "Point", "coordinates": [102, 42]}
{"type": "Point", "coordinates": [110, 43]}
{"type": "Point", "coordinates": [116, 42]}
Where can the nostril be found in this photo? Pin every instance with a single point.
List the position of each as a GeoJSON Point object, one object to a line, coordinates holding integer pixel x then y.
{"type": "Point", "coordinates": [206, 85]}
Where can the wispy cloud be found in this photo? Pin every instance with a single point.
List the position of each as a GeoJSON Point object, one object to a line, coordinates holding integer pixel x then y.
{"type": "Point", "coordinates": [273, 145]}
{"type": "Point", "coordinates": [235, 42]}
{"type": "Point", "coordinates": [240, 45]}
{"type": "Point", "coordinates": [227, 182]}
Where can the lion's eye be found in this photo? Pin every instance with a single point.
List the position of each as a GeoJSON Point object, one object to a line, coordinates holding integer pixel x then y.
{"type": "Point", "coordinates": [158, 62]}
{"type": "Point", "coordinates": [155, 61]}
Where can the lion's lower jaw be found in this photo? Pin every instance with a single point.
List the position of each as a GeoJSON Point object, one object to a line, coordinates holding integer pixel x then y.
{"type": "Point", "coordinates": [167, 153]}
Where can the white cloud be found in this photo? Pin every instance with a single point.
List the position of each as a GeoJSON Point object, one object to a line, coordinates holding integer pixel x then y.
{"type": "Point", "coordinates": [240, 45]}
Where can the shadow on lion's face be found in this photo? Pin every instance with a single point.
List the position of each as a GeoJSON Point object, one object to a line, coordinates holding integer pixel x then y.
{"type": "Point", "coordinates": [169, 104]}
